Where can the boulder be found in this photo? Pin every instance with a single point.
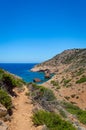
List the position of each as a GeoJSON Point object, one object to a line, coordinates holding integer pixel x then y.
{"type": "Point", "coordinates": [44, 127]}
{"type": "Point", "coordinates": [81, 128]}
{"type": "Point", "coordinates": [7, 118]}
{"type": "Point", "coordinates": [3, 111]}
{"type": "Point", "coordinates": [3, 126]}
{"type": "Point", "coordinates": [47, 74]}
{"type": "Point", "coordinates": [36, 80]}
{"type": "Point", "coordinates": [36, 108]}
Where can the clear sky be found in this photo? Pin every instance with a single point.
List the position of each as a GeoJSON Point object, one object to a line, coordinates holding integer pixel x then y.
{"type": "Point", "coordinates": [36, 30]}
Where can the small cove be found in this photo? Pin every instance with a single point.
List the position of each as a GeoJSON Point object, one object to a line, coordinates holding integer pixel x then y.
{"type": "Point", "coordinates": [23, 70]}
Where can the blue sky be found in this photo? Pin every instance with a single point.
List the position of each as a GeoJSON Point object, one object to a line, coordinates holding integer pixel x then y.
{"type": "Point", "coordinates": [36, 30]}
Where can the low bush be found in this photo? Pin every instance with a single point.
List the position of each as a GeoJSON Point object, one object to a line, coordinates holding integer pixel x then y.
{"type": "Point", "coordinates": [54, 83]}
{"type": "Point", "coordinates": [51, 120]}
{"type": "Point", "coordinates": [9, 80]}
{"type": "Point", "coordinates": [5, 99]}
{"type": "Point", "coordinates": [81, 114]}
{"type": "Point", "coordinates": [62, 113]}
{"type": "Point", "coordinates": [66, 81]}
{"type": "Point", "coordinates": [80, 71]}
{"type": "Point", "coordinates": [41, 92]}
{"type": "Point", "coordinates": [83, 79]}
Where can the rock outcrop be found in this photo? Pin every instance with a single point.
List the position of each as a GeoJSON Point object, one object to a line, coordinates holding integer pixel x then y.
{"type": "Point", "coordinates": [3, 126]}
{"type": "Point", "coordinates": [36, 80]}
{"type": "Point", "coordinates": [3, 111]}
{"type": "Point", "coordinates": [44, 127]}
{"type": "Point", "coordinates": [47, 74]}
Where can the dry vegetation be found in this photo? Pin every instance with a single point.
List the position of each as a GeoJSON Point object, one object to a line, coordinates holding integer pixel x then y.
{"type": "Point", "coordinates": [69, 80]}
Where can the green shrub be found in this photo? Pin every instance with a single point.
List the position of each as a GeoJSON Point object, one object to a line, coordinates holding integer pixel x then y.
{"type": "Point", "coordinates": [81, 71]}
{"type": "Point", "coordinates": [35, 86]}
{"type": "Point", "coordinates": [81, 114]}
{"type": "Point", "coordinates": [66, 81]}
{"type": "Point", "coordinates": [62, 113]}
{"type": "Point", "coordinates": [83, 79]}
{"type": "Point", "coordinates": [5, 99]}
{"type": "Point", "coordinates": [71, 108]}
{"type": "Point", "coordinates": [51, 120]}
{"type": "Point", "coordinates": [1, 74]}
{"type": "Point", "coordinates": [1, 71]}
{"type": "Point", "coordinates": [12, 82]}
{"type": "Point", "coordinates": [57, 87]}
{"type": "Point", "coordinates": [54, 83]}
{"type": "Point", "coordinates": [43, 93]}
{"type": "Point", "coordinates": [9, 81]}
{"type": "Point", "coordinates": [49, 95]}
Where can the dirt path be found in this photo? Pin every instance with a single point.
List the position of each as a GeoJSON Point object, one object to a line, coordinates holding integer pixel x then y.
{"type": "Point", "coordinates": [21, 119]}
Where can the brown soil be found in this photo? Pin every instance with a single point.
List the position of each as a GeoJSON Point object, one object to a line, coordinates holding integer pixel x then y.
{"type": "Point", "coordinates": [21, 119]}
{"type": "Point", "coordinates": [78, 90]}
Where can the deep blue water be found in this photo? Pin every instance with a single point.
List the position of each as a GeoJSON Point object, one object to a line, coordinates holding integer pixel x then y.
{"type": "Point", "coordinates": [23, 70]}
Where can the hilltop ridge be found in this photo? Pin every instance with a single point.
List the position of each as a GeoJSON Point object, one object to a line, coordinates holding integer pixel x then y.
{"type": "Point", "coordinates": [71, 58]}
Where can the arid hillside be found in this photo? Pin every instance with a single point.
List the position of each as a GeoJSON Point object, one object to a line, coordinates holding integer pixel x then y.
{"type": "Point", "coordinates": [69, 81]}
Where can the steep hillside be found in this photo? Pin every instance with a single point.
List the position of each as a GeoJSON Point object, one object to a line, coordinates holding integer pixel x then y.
{"type": "Point", "coordinates": [69, 81]}
{"type": "Point", "coordinates": [9, 81]}
{"type": "Point", "coordinates": [7, 84]}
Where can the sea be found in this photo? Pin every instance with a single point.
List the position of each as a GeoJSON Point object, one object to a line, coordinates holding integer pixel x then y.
{"type": "Point", "coordinates": [23, 70]}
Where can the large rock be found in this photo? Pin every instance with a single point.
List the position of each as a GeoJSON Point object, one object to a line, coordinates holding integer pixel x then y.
{"type": "Point", "coordinates": [47, 74]}
{"type": "Point", "coordinates": [44, 127]}
{"type": "Point", "coordinates": [81, 128]}
{"type": "Point", "coordinates": [3, 126]}
{"type": "Point", "coordinates": [36, 80]}
{"type": "Point", "coordinates": [3, 111]}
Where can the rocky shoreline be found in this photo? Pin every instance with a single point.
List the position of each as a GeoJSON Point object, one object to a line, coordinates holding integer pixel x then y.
{"type": "Point", "coordinates": [42, 68]}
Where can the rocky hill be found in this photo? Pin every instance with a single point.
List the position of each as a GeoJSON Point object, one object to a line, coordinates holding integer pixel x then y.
{"type": "Point", "coordinates": [69, 81]}
{"type": "Point", "coordinates": [70, 59]}
{"type": "Point", "coordinates": [60, 100]}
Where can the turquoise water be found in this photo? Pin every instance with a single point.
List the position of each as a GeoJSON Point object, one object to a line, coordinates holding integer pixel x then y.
{"type": "Point", "coordinates": [23, 70]}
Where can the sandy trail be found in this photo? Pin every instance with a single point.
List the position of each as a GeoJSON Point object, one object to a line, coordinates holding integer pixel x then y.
{"type": "Point", "coordinates": [21, 119]}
